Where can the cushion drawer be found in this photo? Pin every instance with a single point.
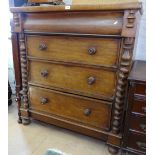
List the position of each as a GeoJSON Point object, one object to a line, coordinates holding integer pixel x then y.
{"type": "Point", "coordinates": [137, 142]}
{"type": "Point", "coordinates": [93, 112]}
{"type": "Point", "coordinates": [92, 22]}
{"type": "Point", "coordinates": [137, 123]}
{"type": "Point", "coordinates": [94, 51]}
{"type": "Point", "coordinates": [86, 81]}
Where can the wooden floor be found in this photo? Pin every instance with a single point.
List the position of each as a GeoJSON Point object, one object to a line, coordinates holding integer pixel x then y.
{"type": "Point", "coordinates": [37, 137]}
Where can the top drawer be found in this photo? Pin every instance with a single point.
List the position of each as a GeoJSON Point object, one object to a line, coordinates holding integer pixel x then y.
{"type": "Point", "coordinates": [108, 23]}
{"type": "Point", "coordinates": [94, 51]}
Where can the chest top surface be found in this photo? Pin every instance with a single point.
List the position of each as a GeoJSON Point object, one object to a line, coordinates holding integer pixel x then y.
{"type": "Point", "coordinates": [82, 5]}
{"type": "Point", "coordinates": [138, 72]}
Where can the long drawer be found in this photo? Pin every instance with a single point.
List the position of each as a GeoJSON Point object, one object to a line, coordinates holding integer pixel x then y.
{"type": "Point", "coordinates": [137, 123]}
{"type": "Point", "coordinates": [88, 111]}
{"type": "Point", "coordinates": [94, 51]}
{"type": "Point", "coordinates": [86, 81]}
{"type": "Point", "coordinates": [137, 142]}
{"type": "Point", "coordinates": [139, 106]}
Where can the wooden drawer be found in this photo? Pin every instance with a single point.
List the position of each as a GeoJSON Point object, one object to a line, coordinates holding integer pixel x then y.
{"type": "Point", "coordinates": [140, 89]}
{"type": "Point", "coordinates": [87, 22]}
{"type": "Point", "coordinates": [137, 142]}
{"type": "Point", "coordinates": [139, 105]}
{"type": "Point", "coordinates": [88, 111]}
{"type": "Point", "coordinates": [94, 51]}
{"type": "Point", "coordinates": [137, 123]}
{"type": "Point", "coordinates": [86, 81]}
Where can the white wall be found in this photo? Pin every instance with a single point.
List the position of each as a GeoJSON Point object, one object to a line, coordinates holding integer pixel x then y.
{"type": "Point", "coordinates": [141, 39]}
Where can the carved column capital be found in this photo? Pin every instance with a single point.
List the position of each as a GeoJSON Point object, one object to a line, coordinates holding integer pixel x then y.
{"type": "Point", "coordinates": [17, 22]}
{"type": "Point", "coordinates": [130, 23]}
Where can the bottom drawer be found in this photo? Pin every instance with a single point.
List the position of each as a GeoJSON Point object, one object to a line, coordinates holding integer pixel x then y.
{"type": "Point", "coordinates": [137, 124]}
{"type": "Point", "coordinates": [137, 142]}
{"type": "Point", "coordinates": [91, 112]}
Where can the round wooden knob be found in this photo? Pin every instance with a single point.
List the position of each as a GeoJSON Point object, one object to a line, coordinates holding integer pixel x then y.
{"type": "Point", "coordinates": [92, 50]}
{"type": "Point", "coordinates": [144, 109]}
{"type": "Point", "coordinates": [44, 73]}
{"type": "Point", "coordinates": [42, 47]}
{"type": "Point", "coordinates": [143, 127]}
{"type": "Point", "coordinates": [43, 100]}
{"type": "Point", "coordinates": [87, 112]}
{"type": "Point", "coordinates": [141, 145]}
{"type": "Point", "coordinates": [91, 80]}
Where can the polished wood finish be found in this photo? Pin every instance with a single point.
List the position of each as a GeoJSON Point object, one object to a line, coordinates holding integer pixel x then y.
{"type": "Point", "coordinates": [92, 51]}
{"type": "Point", "coordinates": [17, 72]}
{"type": "Point", "coordinates": [86, 111]}
{"type": "Point", "coordinates": [139, 142]}
{"type": "Point", "coordinates": [70, 22]}
{"type": "Point", "coordinates": [85, 81]}
{"type": "Point", "coordinates": [134, 140]}
{"type": "Point", "coordinates": [74, 62]}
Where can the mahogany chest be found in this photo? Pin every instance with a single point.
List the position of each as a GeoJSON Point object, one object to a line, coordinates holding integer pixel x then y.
{"type": "Point", "coordinates": [72, 64]}
{"type": "Point", "coordinates": [134, 138]}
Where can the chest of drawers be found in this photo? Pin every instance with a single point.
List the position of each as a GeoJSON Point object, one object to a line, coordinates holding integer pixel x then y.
{"type": "Point", "coordinates": [134, 139]}
{"type": "Point", "coordinates": [71, 66]}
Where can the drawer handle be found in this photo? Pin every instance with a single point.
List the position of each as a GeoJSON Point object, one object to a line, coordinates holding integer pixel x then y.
{"type": "Point", "coordinates": [91, 80]}
{"type": "Point", "coordinates": [141, 145]}
{"type": "Point", "coordinates": [87, 112]}
{"type": "Point", "coordinates": [42, 47]}
{"type": "Point", "coordinates": [43, 100]}
{"type": "Point", "coordinates": [92, 50]}
{"type": "Point", "coordinates": [144, 109]}
{"type": "Point", "coordinates": [143, 127]}
{"type": "Point", "coordinates": [44, 73]}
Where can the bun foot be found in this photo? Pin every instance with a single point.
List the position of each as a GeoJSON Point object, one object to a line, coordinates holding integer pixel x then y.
{"type": "Point", "coordinates": [26, 121]}
{"type": "Point", "coordinates": [19, 120]}
{"type": "Point", "coordinates": [113, 150]}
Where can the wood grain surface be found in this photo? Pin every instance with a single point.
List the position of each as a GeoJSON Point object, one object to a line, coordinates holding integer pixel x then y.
{"type": "Point", "coordinates": [75, 49]}
{"type": "Point", "coordinates": [71, 107]}
{"type": "Point", "coordinates": [74, 78]}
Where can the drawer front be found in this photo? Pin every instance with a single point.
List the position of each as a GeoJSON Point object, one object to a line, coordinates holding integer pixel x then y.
{"type": "Point", "coordinates": [94, 22]}
{"type": "Point", "coordinates": [139, 106]}
{"type": "Point", "coordinates": [140, 89]}
{"type": "Point", "coordinates": [137, 123]}
{"type": "Point", "coordinates": [94, 51]}
{"type": "Point", "coordinates": [90, 112]}
{"type": "Point", "coordinates": [137, 142]}
{"type": "Point", "coordinates": [93, 82]}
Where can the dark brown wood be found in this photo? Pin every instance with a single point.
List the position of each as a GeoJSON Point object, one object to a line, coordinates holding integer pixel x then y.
{"type": "Point", "coordinates": [16, 61]}
{"type": "Point", "coordinates": [135, 122]}
{"type": "Point", "coordinates": [139, 142]}
{"type": "Point", "coordinates": [75, 61]}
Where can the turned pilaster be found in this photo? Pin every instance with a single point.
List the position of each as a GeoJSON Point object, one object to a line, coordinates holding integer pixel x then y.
{"type": "Point", "coordinates": [24, 75]}
{"type": "Point", "coordinates": [124, 69]}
